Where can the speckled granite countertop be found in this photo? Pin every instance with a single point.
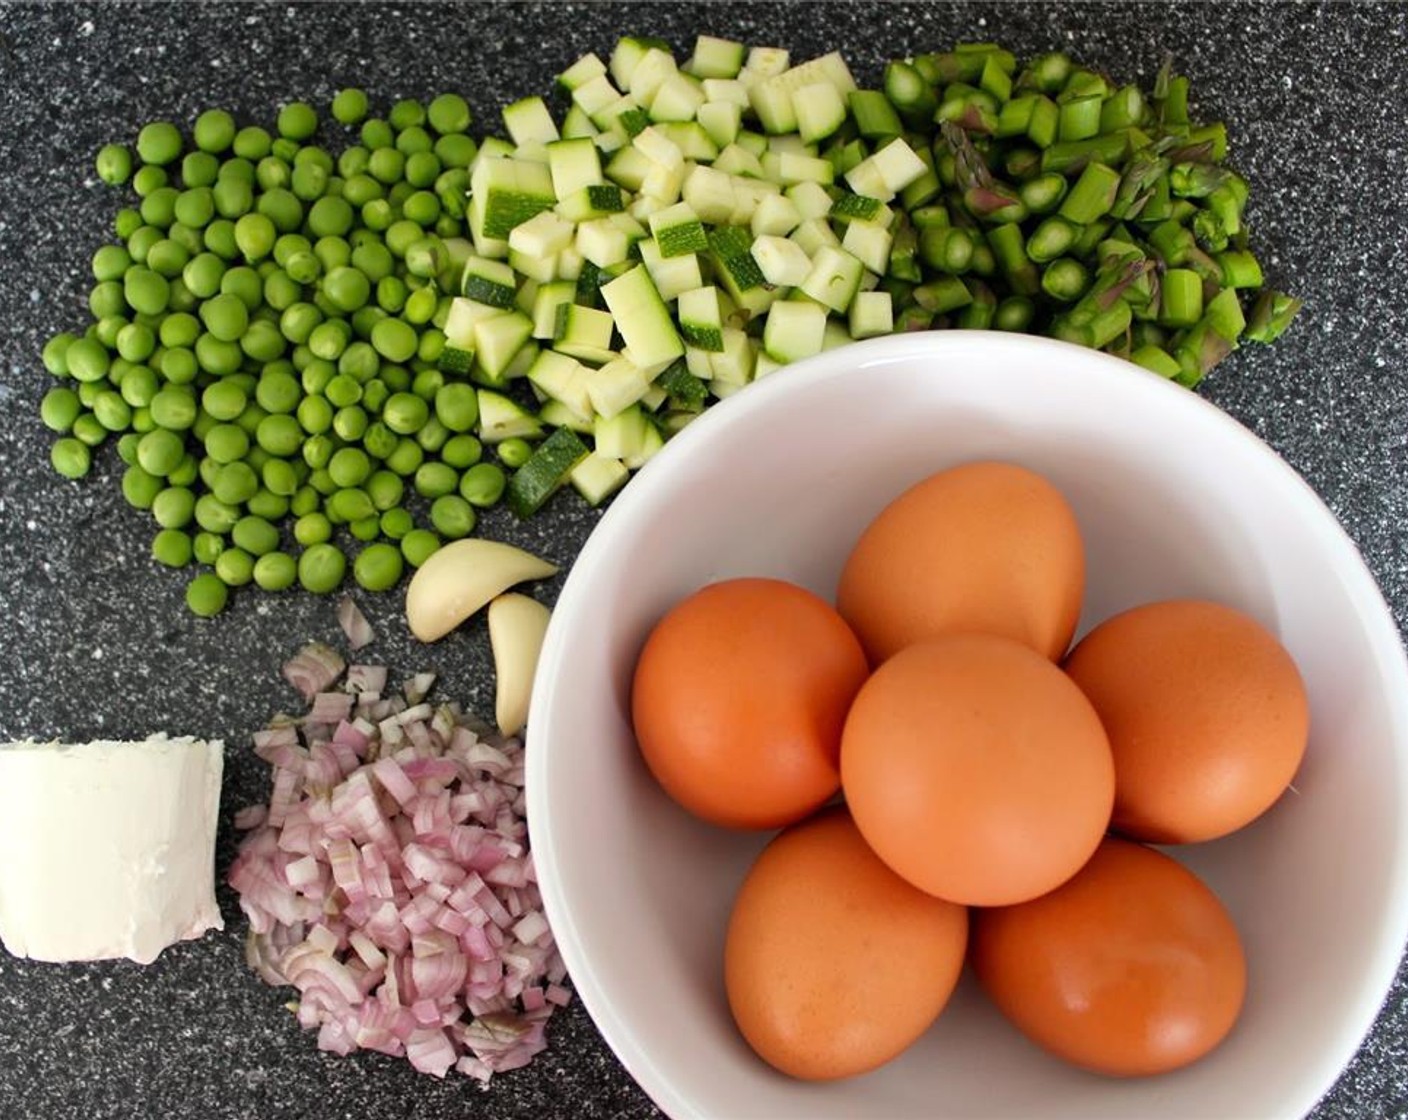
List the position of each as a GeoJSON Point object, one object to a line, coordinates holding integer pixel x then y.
{"type": "Point", "coordinates": [97, 643]}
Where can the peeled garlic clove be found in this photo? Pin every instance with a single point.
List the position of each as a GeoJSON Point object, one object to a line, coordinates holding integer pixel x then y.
{"type": "Point", "coordinates": [516, 628]}
{"type": "Point", "coordinates": [461, 578]}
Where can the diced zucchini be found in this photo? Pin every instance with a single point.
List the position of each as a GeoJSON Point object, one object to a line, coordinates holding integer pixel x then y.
{"type": "Point", "coordinates": [672, 276]}
{"type": "Point", "coordinates": [489, 282]}
{"type": "Point", "coordinates": [546, 470]}
{"type": "Point", "coordinates": [814, 233]}
{"type": "Point", "coordinates": [721, 120]}
{"type": "Point", "coordinates": [835, 335]}
{"type": "Point", "coordinates": [459, 322]}
{"type": "Point", "coordinates": [872, 314]}
{"type": "Point", "coordinates": [649, 74]}
{"type": "Point", "coordinates": [730, 90]}
{"type": "Point", "coordinates": [536, 267]}
{"type": "Point", "coordinates": [868, 243]}
{"type": "Point", "coordinates": [811, 200]}
{"type": "Point", "coordinates": [651, 443]}
{"type": "Point", "coordinates": [542, 235]}
{"type": "Point", "coordinates": [629, 167]}
{"type": "Point", "coordinates": [678, 98]}
{"type": "Point", "coordinates": [820, 109]}
{"type": "Point", "coordinates": [834, 278]}
{"type": "Point", "coordinates": [576, 124]}
{"type": "Point", "coordinates": [642, 317]}
{"type": "Point", "coordinates": [677, 230]}
{"type": "Point", "coordinates": [776, 214]}
{"type": "Point", "coordinates": [738, 160]}
{"type": "Point", "coordinates": [715, 58]}
{"type": "Point", "coordinates": [691, 138]}
{"type": "Point", "coordinates": [654, 397]}
{"type": "Point", "coordinates": [583, 70]}
{"type": "Point", "coordinates": [734, 363]}
{"type": "Point", "coordinates": [644, 206]}
{"type": "Point", "coordinates": [862, 208]}
{"type": "Point", "coordinates": [510, 191]}
{"type": "Point", "coordinates": [562, 379]}
{"type": "Point", "coordinates": [887, 172]}
{"type": "Point", "coordinates": [709, 193]}
{"type": "Point", "coordinates": [616, 386]}
{"type": "Point", "coordinates": [659, 148]}
{"type": "Point", "coordinates": [628, 53]}
{"type": "Point", "coordinates": [765, 365]}
{"type": "Point", "coordinates": [521, 362]}
{"type": "Point", "coordinates": [624, 435]}
{"type": "Point", "coordinates": [772, 97]}
{"type": "Point", "coordinates": [501, 418]}
{"type": "Point", "coordinates": [782, 262]}
{"type": "Point", "coordinates": [766, 62]}
{"type": "Point", "coordinates": [594, 95]}
{"type": "Point", "coordinates": [731, 248]}
{"type": "Point", "coordinates": [697, 361]}
{"type": "Point", "coordinates": [725, 389]}
{"type": "Point", "coordinates": [546, 300]}
{"type": "Point", "coordinates": [529, 122]}
{"type": "Point", "coordinates": [597, 477]}
{"type": "Point", "coordinates": [492, 147]}
{"type": "Point", "coordinates": [701, 318]}
{"type": "Point", "coordinates": [574, 164]}
{"type": "Point", "coordinates": [557, 414]}
{"type": "Point", "coordinates": [587, 203]}
{"type": "Point", "coordinates": [664, 183]}
{"type": "Point", "coordinates": [583, 332]}
{"type": "Point", "coordinates": [602, 242]}
{"type": "Point", "coordinates": [569, 263]}
{"type": "Point", "coordinates": [685, 391]}
{"type": "Point", "coordinates": [794, 330]}
{"type": "Point", "coordinates": [497, 339]}
{"type": "Point", "coordinates": [794, 167]}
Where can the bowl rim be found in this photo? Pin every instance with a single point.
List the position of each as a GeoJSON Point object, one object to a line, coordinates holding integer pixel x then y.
{"type": "Point", "coordinates": [1376, 617]}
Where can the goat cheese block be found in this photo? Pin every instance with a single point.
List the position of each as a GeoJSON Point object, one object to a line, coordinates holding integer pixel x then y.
{"type": "Point", "coordinates": [107, 849]}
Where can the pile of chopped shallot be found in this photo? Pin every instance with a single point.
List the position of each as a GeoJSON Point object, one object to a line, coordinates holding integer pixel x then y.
{"type": "Point", "coordinates": [389, 878]}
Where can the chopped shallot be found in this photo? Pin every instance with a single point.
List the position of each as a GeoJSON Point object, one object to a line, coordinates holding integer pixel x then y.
{"type": "Point", "coordinates": [389, 879]}
{"type": "Point", "coordinates": [354, 623]}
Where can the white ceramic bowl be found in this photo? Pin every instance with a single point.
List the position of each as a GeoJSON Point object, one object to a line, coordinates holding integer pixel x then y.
{"type": "Point", "coordinates": [1174, 499]}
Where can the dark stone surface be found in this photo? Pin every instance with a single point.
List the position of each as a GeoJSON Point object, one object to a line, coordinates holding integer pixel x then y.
{"type": "Point", "coordinates": [97, 643]}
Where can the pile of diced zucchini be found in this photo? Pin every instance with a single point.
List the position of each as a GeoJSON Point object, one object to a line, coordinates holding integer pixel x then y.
{"type": "Point", "coordinates": [674, 236]}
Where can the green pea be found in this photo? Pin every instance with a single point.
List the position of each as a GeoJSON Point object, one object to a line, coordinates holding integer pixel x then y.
{"type": "Point", "coordinates": [284, 148]}
{"type": "Point", "coordinates": [195, 206]}
{"type": "Point", "coordinates": [262, 342]}
{"type": "Point", "coordinates": [418, 546]}
{"type": "Point", "coordinates": [136, 342]}
{"type": "Point", "coordinates": [70, 457]}
{"type": "Point", "coordinates": [206, 595]}
{"type": "Point", "coordinates": [308, 182]}
{"type": "Point", "coordinates": [106, 330]}
{"type": "Point", "coordinates": [359, 362]}
{"type": "Point", "coordinates": [141, 241]}
{"type": "Point", "coordinates": [200, 169]}
{"type": "Point", "coordinates": [145, 290]}
{"type": "Point", "coordinates": [448, 113]}
{"type": "Point", "coordinates": [318, 451]}
{"type": "Point", "coordinates": [214, 131]}
{"type": "Point", "coordinates": [59, 409]}
{"type": "Point", "coordinates": [207, 546]}
{"type": "Point", "coordinates": [394, 340]}
{"type": "Point", "coordinates": [483, 484]}
{"type": "Point", "coordinates": [360, 189]}
{"type": "Point", "coordinates": [127, 448]}
{"type": "Point", "coordinates": [173, 507]}
{"type": "Point", "coordinates": [87, 430]}
{"type": "Point", "coordinates": [160, 452]}
{"type": "Point", "coordinates": [148, 179]}
{"type": "Point", "coordinates": [217, 356]}
{"type": "Point", "coordinates": [298, 322]}
{"type": "Point", "coordinates": [126, 222]}
{"type": "Point", "coordinates": [255, 535]}
{"type": "Point", "coordinates": [386, 165]}
{"type": "Point", "coordinates": [462, 451]}
{"type": "Point", "coordinates": [406, 459]}
{"type": "Point", "coordinates": [402, 235]}
{"type": "Point", "coordinates": [232, 198]}
{"type": "Point", "coordinates": [321, 568]}
{"type": "Point", "coordinates": [379, 440]}
{"type": "Point", "coordinates": [140, 487]}
{"type": "Point", "coordinates": [159, 143]}
{"type": "Point", "coordinates": [378, 567]}
{"type": "Point", "coordinates": [110, 262]}
{"type": "Point", "coordinates": [422, 169]}
{"type": "Point", "coordinates": [396, 523]}
{"type": "Point", "coordinates": [329, 339]}
{"type": "Point", "coordinates": [514, 452]}
{"type": "Point", "coordinates": [55, 353]}
{"type": "Point", "coordinates": [272, 173]}
{"type": "Point", "coordinates": [457, 406]}
{"type": "Point", "coordinates": [249, 421]}
{"type": "Point", "coordinates": [114, 164]}
{"type": "Point", "coordinates": [225, 316]}
{"type": "Point", "coordinates": [219, 238]}
{"type": "Point", "coordinates": [297, 120]}
{"type": "Point", "coordinates": [312, 528]}
{"type": "Point", "coordinates": [452, 516]}
{"type": "Point", "coordinates": [374, 394]}
{"type": "Point", "coordinates": [423, 208]}
{"type": "Point", "coordinates": [255, 234]}
{"type": "Point", "coordinates": [140, 386]}
{"type": "Point", "coordinates": [350, 503]}
{"type": "Point", "coordinates": [304, 500]}
{"type": "Point", "coordinates": [330, 216]}
{"type": "Point", "coordinates": [405, 413]}
{"type": "Point", "coordinates": [186, 472]}
{"type": "Point", "coordinates": [224, 400]}
{"type": "Point", "coordinates": [432, 437]}
{"type": "Point", "coordinates": [347, 288]}
{"type": "Point", "coordinates": [87, 359]}
{"type": "Point", "coordinates": [433, 480]}
{"type": "Point", "coordinates": [281, 291]}
{"type": "Point", "coordinates": [456, 150]}
{"type": "Point", "coordinates": [113, 413]}
{"type": "Point", "coordinates": [226, 443]}
{"type": "Point", "coordinates": [349, 106]}
{"type": "Point", "coordinates": [275, 571]}
{"type": "Point", "coordinates": [159, 207]}
{"type": "Point", "coordinates": [234, 567]}
{"type": "Point", "coordinates": [172, 547]}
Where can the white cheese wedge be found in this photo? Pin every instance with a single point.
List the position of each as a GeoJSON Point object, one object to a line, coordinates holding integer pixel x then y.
{"type": "Point", "coordinates": [107, 849]}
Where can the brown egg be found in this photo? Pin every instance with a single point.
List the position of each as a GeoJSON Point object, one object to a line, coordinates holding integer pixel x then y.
{"type": "Point", "coordinates": [977, 770]}
{"type": "Point", "coordinates": [1206, 712]}
{"type": "Point", "coordinates": [833, 963]}
{"type": "Point", "coordinates": [987, 548]}
{"type": "Point", "coordinates": [1131, 968]}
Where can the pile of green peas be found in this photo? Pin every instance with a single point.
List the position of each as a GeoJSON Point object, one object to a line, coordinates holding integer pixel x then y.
{"type": "Point", "coordinates": [264, 345]}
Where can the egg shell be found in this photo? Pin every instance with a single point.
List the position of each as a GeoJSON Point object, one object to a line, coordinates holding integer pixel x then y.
{"type": "Point", "coordinates": [834, 964]}
{"type": "Point", "coordinates": [738, 701]}
{"type": "Point", "coordinates": [987, 547]}
{"type": "Point", "coordinates": [1131, 968]}
{"type": "Point", "coordinates": [1207, 715]}
{"type": "Point", "coordinates": [977, 770]}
